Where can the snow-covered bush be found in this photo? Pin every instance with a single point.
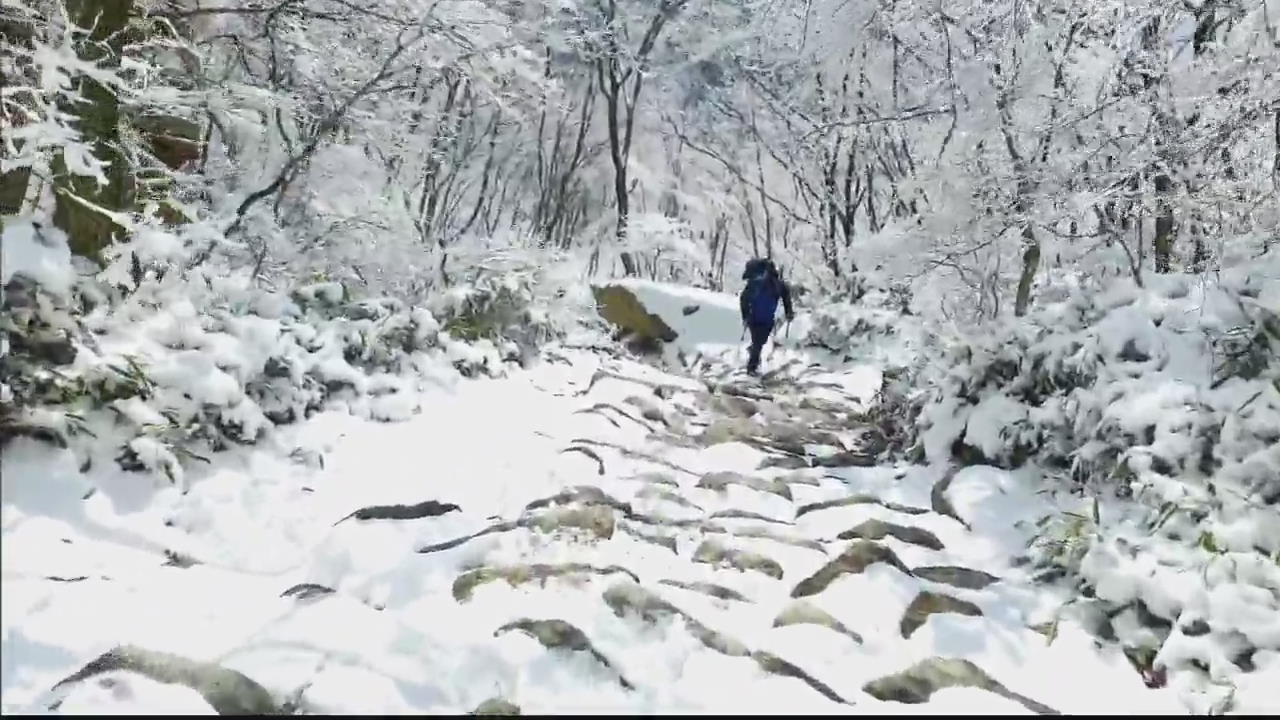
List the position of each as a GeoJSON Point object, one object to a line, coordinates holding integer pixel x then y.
{"type": "Point", "coordinates": [867, 318]}
{"type": "Point", "coordinates": [1159, 408]}
{"type": "Point", "coordinates": [39, 333]}
{"type": "Point", "coordinates": [1175, 379]}
{"type": "Point", "coordinates": [507, 306]}
{"type": "Point", "coordinates": [870, 321]}
{"type": "Point", "coordinates": [164, 361]}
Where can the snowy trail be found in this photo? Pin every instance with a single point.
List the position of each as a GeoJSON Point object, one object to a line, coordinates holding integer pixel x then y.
{"type": "Point", "coordinates": [671, 564]}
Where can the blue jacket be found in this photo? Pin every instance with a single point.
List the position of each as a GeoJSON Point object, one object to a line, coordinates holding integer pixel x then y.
{"type": "Point", "coordinates": [759, 299]}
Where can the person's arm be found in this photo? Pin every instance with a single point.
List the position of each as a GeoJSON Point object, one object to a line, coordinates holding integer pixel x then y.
{"type": "Point", "coordinates": [742, 305]}
{"type": "Point", "coordinates": [785, 291]}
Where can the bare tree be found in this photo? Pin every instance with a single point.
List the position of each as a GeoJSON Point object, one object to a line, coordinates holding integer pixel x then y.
{"type": "Point", "coordinates": [621, 72]}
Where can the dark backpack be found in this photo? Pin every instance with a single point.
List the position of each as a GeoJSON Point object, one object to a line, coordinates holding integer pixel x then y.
{"type": "Point", "coordinates": [761, 293]}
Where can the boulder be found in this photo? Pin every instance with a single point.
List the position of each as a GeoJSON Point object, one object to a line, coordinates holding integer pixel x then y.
{"type": "Point", "coordinates": [804, 613]}
{"type": "Point", "coordinates": [855, 559]}
{"type": "Point", "coordinates": [227, 691]}
{"type": "Point", "coordinates": [919, 682]}
{"type": "Point", "coordinates": [556, 634]}
{"type": "Point", "coordinates": [620, 307]}
{"type": "Point", "coordinates": [957, 576]}
{"type": "Point", "coordinates": [876, 529]}
{"type": "Point", "coordinates": [927, 603]}
{"type": "Point", "coordinates": [715, 553]}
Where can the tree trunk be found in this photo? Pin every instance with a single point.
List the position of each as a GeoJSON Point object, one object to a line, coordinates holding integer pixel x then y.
{"type": "Point", "coordinates": [89, 231]}
{"type": "Point", "coordinates": [1030, 261]}
{"type": "Point", "coordinates": [618, 155]}
{"type": "Point", "coordinates": [1162, 243]}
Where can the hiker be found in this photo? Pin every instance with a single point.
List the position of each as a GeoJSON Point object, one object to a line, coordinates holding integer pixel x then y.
{"type": "Point", "coordinates": [759, 305]}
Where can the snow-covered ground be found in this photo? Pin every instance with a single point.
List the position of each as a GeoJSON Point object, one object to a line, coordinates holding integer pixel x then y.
{"type": "Point", "coordinates": [105, 558]}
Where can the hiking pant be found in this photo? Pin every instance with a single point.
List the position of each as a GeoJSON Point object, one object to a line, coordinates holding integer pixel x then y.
{"type": "Point", "coordinates": [759, 334]}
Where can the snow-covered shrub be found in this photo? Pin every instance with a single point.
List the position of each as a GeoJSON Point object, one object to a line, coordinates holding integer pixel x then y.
{"type": "Point", "coordinates": [867, 319]}
{"type": "Point", "coordinates": [169, 361]}
{"type": "Point", "coordinates": [512, 303]}
{"type": "Point", "coordinates": [1159, 408]}
{"type": "Point", "coordinates": [870, 321]}
{"type": "Point", "coordinates": [1113, 384]}
{"type": "Point", "coordinates": [39, 333]}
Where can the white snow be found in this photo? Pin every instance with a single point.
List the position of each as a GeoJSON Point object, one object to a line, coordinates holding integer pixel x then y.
{"type": "Point", "coordinates": [713, 327]}
{"type": "Point", "coordinates": [391, 638]}
{"type": "Point", "coordinates": [40, 253]}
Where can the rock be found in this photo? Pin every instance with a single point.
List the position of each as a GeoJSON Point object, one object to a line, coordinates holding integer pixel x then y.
{"type": "Point", "coordinates": [764, 534]}
{"type": "Point", "coordinates": [805, 613]}
{"type": "Point", "coordinates": [777, 666]}
{"type": "Point", "coordinates": [785, 462]}
{"type": "Point", "coordinates": [919, 682]}
{"type": "Point", "coordinates": [450, 544]}
{"type": "Point", "coordinates": [875, 529]}
{"type": "Point", "coordinates": [1149, 619]}
{"type": "Point", "coordinates": [628, 452]}
{"type": "Point", "coordinates": [620, 307]}
{"type": "Point", "coordinates": [957, 576]}
{"type": "Point", "coordinates": [599, 408]}
{"type": "Point", "coordinates": [598, 520]}
{"type": "Point", "coordinates": [55, 351]}
{"type": "Point", "coordinates": [1195, 628]}
{"type": "Point", "coordinates": [666, 541]}
{"type": "Point", "coordinates": [731, 405]}
{"type": "Point", "coordinates": [688, 310]}
{"type": "Point", "coordinates": [716, 640]}
{"type": "Point", "coordinates": [726, 429]}
{"type": "Point", "coordinates": [1132, 353]}
{"type": "Point", "coordinates": [682, 523]}
{"type": "Point", "coordinates": [174, 140]}
{"type": "Point", "coordinates": [649, 410]}
{"type": "Point", "coordinates": [792, 437]}
{"type": "Point", "coordinates": [714, 553]}
{"type": "Point", "coordinates": [845, 458]}
{"type": "Point", "coordinates": [656, 478]}
{"type": "Point", "coordinates": [716, 591]}
{"type": "Point", "coordinates": [1244, 659]}
{"type": "Point", "coordinates": [306, 591]}
{"type": "Point", "coordinates": [658, 493]}
{"type": "Point", "coordinates": [625, 597]}
{"type": "Point", "coordinates": [516, 575]}
{"type": "Point", "coordinates": [429, 508]}
{"type": "Point", "coordinates": [799, 478]}
{"type": "Point", "coordinates": [227, 691]}
{"type": "Point", "coordinates": [859, 500]}
{"type": "Point", "coordinates": [559, 634]}
{"type": "Point", "coordinates": [720, 481]}
{"type": "Point", "coordinates": [496, 706]}
{"type": "Point", "coordinates": [585, 494]}
{"type": "Point", "coordinates": [855, 559]}
{"type": "Point", "coordinates": [928, 603]}
{"type": "Point", "coordinates": [309, 458]}
{"type": "Point", "coordinates": [938, 498]}
{"type": "Point", "coordinates": [589, 453]}
{"type": "Point", "coordinates": [747, 515]}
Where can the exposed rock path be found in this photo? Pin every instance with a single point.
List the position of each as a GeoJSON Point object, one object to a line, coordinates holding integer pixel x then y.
{"type": "Point", "coordinates": [743, 533]}
{"type": "Point", "coordinates": [753, 555]}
